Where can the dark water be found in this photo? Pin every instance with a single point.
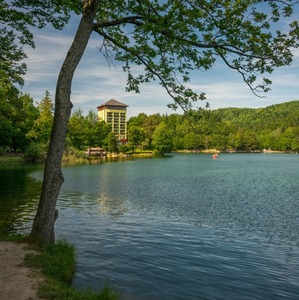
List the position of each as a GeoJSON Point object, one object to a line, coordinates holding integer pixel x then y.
{"type": "Point", "coordinates": [19, 195]}
{"type": "Point", "coordinates": [185, 227]}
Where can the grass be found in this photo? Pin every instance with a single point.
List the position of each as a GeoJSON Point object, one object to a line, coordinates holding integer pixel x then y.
{"type": "Point", "coordinates": [10, 158]}
{"type": "Point", "coordinates": [11, 237]}
{"type": "Point", "coordinates": [57, 263]}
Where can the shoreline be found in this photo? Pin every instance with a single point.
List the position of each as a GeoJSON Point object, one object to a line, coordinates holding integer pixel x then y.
{"type": "Point", "coordinates": [211, 151]}
{"type": "Point", "coordinates": [30, 271]}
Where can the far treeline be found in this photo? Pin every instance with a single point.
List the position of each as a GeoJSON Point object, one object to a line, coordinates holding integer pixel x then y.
{"type": "Point", "coordinates": [275, 127]}
{"type": "Point", "coordinates": [25, 127]}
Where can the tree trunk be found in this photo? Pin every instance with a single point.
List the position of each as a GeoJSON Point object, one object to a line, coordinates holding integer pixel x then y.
{"type": "Point", "coordinates": [43, 225]}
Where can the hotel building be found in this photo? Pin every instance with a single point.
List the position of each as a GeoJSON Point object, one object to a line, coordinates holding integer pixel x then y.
{"type": "Point", "coordinates": [114, 113]}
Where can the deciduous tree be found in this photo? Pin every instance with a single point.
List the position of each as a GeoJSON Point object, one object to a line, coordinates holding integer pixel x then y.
{"type": "Point", "coordinates": [136, 136]}
{"type": "Point", "coordinates": [169, 39]}
{"type": "Point", "coordinates": [17, 115]}
{"type": "Point", "coordinates": [162, 139]}
{"type": "Point", "coordinates": [41, 129]}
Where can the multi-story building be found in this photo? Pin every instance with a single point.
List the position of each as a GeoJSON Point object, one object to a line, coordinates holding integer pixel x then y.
{"type": "Point", "coordinates": [114, 113]}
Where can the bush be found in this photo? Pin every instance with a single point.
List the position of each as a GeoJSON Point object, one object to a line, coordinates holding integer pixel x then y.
{"type": "Point", "coordinates": [72, 153]}
{"type": "Point", "coordinates": [35, 152]}
{"type": "Point", "coordinates": [125, 148]}
{"type": "Point", "coordinates": [157, 153]}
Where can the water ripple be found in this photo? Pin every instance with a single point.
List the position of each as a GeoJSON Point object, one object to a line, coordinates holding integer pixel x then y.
{"type": "Point", "coordinates": [181, 228]}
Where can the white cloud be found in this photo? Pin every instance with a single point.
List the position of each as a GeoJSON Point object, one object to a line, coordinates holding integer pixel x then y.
{"type": "Point", "coordinates": [94, 82]}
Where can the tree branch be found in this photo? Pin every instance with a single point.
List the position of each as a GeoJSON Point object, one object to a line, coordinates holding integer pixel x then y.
{"type": "Point", "coordinates": [144, 62]}
{"type": "Point", "coordinates": [124, 20]}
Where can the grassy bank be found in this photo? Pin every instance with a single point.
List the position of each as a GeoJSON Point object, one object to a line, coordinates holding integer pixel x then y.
{"type": "Point", "coordinates": [57, 263]}
{"type": "Point", "coordinates": [7, 158]}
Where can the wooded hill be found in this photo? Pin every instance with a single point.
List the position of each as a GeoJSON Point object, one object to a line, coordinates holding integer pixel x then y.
{"type": "Point", "coordinates": [275, 127]}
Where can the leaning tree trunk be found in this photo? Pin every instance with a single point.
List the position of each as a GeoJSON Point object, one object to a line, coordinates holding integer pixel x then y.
{"type": "Point", "coordinates": [43, 225]}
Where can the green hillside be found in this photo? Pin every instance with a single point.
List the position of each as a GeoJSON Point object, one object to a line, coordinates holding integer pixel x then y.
{"type": "Point", "coordinates": [274, 127]}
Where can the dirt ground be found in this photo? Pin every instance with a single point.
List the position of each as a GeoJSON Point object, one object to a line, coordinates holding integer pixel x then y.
{"type": "Point", "coordinates": [17, 282]}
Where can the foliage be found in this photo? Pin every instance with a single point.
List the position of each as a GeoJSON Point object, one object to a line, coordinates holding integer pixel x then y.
{"type": "Point", "coordinates": [17, 112]}
{"type": "Point", "coordinates": [35, 152]}
{"type": "Point", "coordinates": [135, 137]}
{"type": "Point", "coordinates": [16, 19]}
{"type": "Point", "coordinates": [57, 261]}
{"type": "Point", "coordinates": [11, 237]}
{"type": "Point", "coordinates": [10, 61]}
{"type": "Point", "coordinates": [125, 148]}
{"type": "Point", "coordinates": [39, 134]}
{"type": "Point", "coordinates": [172, 39]}
{"type": "Point", "coordinates": [148, 124]}
{"type": "Point", "coordinates": [76, 128]}
{"type": "Point", "coordinates": [60, 292]}
{"type": "Point", "coordinates": [72, 154]}
{"type": "Point", "coordinates": [17, 115]}
{"type": "Point", "coordinates": [41, 129]}
{"type": "Point", "coordinates": [162, 139]}
{"type": "Point", "coordinates": [87, 131]}
{"type": "Point", "coordinates": [111, 143]}
{"type": "Point", "coordinates": [96, 131]}
{"type": "Point", "coordinates": [240, 129]}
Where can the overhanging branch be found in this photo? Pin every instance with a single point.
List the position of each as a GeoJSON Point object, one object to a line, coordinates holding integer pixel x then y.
{"type": "Point", "coordinates": [144, 62]}
{"type": "Point", "coordinates": [125, 20]}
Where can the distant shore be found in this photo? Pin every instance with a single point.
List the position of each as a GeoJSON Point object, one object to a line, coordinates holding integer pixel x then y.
{"type": "Point", "coordinates": [11, 157]}
{"type": "Point", "coordinates": [210, 151]}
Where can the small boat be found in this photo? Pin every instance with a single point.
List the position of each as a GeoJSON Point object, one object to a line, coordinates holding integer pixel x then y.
{"type": "Point", "coordinates": [215, 156]}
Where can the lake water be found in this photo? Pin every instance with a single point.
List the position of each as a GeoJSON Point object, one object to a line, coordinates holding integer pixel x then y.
{"type": "Point", "coordinates": [183, 227]}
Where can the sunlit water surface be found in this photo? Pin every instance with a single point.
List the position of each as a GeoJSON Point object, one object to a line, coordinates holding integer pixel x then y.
{"type": "Point", "coordinates": [184, 227]}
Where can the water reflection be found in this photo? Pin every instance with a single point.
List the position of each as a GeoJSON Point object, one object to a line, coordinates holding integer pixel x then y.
{"type": "Point", "coordinates": [114, 207]}
{"type": "Point", "coordinates": [93, 204]}
{"type": "Point", "coordinates": [20, 193]}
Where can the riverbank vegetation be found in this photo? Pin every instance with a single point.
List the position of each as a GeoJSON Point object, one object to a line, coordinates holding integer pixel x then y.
{"type": "Point", "coordinates": [274, 127]}
{"type": "Point", "coordinates": [57, 263]}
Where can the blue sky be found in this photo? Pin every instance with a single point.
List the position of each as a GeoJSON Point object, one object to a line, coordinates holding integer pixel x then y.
{"type": "Point", "coordinates": [95, 82]}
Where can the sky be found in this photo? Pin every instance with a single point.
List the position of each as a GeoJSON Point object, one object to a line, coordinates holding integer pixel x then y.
{"type": "Point", "coordinates": [95, 82]}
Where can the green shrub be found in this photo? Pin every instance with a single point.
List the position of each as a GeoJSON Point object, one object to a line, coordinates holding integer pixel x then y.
{"type": "Point", "coordinates": [2, 150]}
{"type": "Point", "coordinates": [157, 153]}
{"type": "Point", "coordinates": [72, 153]}
{"type": "Point", "coordinates": [35, 152]}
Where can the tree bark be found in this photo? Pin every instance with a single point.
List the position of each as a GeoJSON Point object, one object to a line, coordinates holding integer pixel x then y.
{"type": "Point", "coordinates": [43, 225]}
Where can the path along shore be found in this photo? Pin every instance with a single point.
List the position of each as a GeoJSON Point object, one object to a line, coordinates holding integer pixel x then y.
{"type": "Point", "coordinates": [17, 282]}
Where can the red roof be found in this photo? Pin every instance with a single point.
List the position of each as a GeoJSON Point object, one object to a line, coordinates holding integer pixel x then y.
{"type": "Point", "coordinates": [113, 102]}
{"type": "Point", "coordinates": [123, 141]}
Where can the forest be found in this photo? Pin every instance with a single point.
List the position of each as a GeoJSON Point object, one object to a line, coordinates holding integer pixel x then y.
{"type": "Point", "coordinates": [275, 127]}
{"type": "Point", "coordinates": [25, 127]}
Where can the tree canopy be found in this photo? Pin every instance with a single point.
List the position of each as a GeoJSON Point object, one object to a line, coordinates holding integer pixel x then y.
{"type": "Point", "coordinates": [88, 131]}
{"type": "Point", "coordinates": [17, 17]}
{"type": "Point", "coordinates": [172, 38]}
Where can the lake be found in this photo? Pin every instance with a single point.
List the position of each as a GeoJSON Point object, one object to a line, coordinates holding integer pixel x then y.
{"type": "Point", "coordinates": [182, 227]}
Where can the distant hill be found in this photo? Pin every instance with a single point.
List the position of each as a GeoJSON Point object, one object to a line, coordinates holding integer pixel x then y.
{"type": "Point", "coordinates": [281, 115]}
{"type": "Point", "coordinates": [274, 127]}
